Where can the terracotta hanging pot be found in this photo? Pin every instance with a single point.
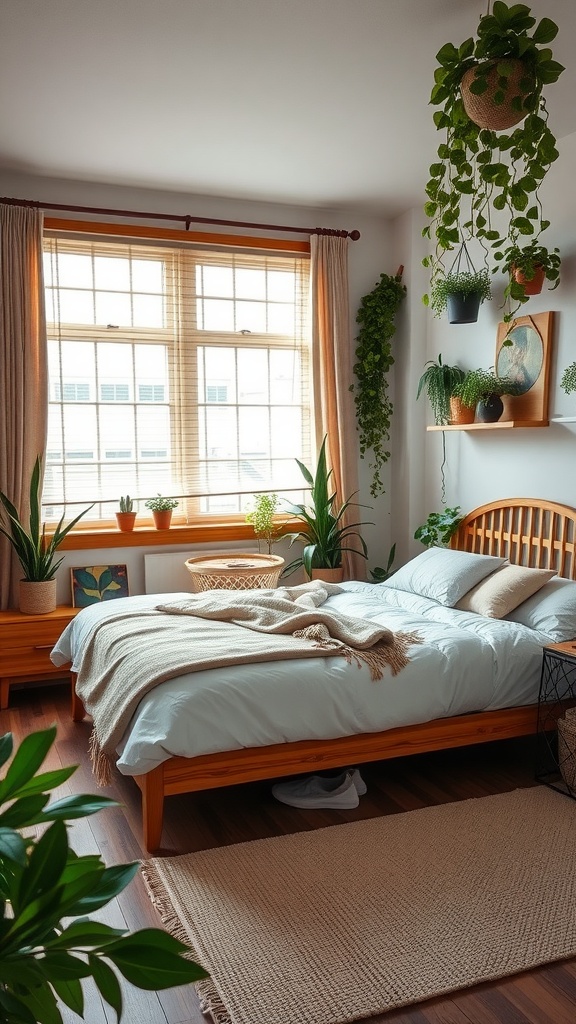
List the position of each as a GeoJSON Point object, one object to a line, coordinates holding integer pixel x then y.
{"type": "Point", "coordinates": [125, 521]}
{"type": "Point", "coordinates": [532, 286]}
{"type": "Point", "coordinates": [482, 108]}
{"type": "Point", "coordinates": [460, 413]}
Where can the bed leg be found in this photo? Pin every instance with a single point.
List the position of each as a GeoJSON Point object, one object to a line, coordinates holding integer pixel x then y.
{"type": "Point", "coordinates": [152, 786]}
{"type": "Point", "coordinates": [78, 709]}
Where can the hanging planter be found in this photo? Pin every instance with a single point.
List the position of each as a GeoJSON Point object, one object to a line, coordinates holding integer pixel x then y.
{"type": "Point", "coordinates": [528, 267]}
{"type": "Point", "coordinates": [482, 178]}
{"type": "Point", "coordinates": [461, 291]}
{"type": "Point", "coordinates": [506, 89]}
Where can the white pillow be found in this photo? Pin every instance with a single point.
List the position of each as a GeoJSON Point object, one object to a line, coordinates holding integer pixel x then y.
{"type": "Point", "coordinates": [443, 574]}
{"type": "Point", "coordinates": [552, 611]}
{"type": "Point", "coordinates": [504, 590]}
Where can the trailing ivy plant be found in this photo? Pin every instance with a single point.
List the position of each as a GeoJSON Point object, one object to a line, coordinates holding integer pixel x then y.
{"type": "Point", "coordinates": [374, 358]}
{"type": "Point", "coordinates": [479, 171]}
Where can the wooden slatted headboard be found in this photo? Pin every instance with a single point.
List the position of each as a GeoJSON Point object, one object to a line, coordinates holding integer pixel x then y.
{"type": "Point", "coordinates": [526, 531]}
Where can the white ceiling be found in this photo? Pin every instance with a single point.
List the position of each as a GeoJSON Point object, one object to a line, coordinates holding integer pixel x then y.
{"type": "Point", "coordinates": [316, 102]}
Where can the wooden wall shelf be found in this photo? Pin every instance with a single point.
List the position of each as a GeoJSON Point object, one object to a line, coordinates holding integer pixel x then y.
{"type": "Point", "coordinates": [500, 425]}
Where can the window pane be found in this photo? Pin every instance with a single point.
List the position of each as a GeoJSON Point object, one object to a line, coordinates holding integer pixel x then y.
{"type": "Point", "coordinates": [147, 276]}
{"type": "Point", "coordinates": [286, 427]}
{"type": "Point", "coordinates": [220, 433]}
{"type": "Point", "coordinates": [252, 375]}
{"type": "Point", "coordinates": [149, 311]}
{"type": "Point", "coordinates": [281, 318]}
{"type": "Point", "coordinates": [151, 368]}
{"type": "Point", "coordinates": [75, 307]}
{"type": "Point", "coordinates": [220, 372]}
{"type": "Point", "coordinates": [112, 273]}
{"type": "Point", "coordinates": [217, 281]}
{"type": "Point", "coordinates": [113, 308]}
{"type": "Point", "coordinates": [73, 271]}
{"type": "Point", "coordinates": [218, 315]}
{"type": "Point", "coordinates": [78, 366]}
{"type": "Point", "coordinates": [117, 432]}
{"type": "Point", "coordinates": [251, 316]}
{"type": "Point", "coordinates": [281, 286]}
{"type": "Point", "coordinates": [253, 433]}
{"type": "Point", "coordinates": [285, 384]}
{"type": "Point", "coordinates": [250, 284]}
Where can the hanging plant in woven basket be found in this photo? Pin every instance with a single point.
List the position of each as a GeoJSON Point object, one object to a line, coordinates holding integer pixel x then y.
{"type": "Point", "coordinates": [486, 180]}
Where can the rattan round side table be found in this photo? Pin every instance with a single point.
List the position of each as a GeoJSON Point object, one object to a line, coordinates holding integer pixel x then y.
{"type": "Point", "coordinates": [234, 571]}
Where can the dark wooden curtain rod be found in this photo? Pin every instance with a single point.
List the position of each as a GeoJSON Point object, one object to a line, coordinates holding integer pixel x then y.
{"type": "Point", "coordinates": [187, 219]}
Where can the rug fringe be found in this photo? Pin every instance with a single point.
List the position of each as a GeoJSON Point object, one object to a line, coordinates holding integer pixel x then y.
{"type": "Point", "coordinates": [101, 764]}
{"type": "Point", "coordinates": [208, 995]}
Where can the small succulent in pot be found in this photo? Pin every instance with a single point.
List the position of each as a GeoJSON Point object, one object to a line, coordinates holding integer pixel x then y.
{"type": "Point", "coordinates": [126, 516]}
{"type": "Point", "coordinates": [126, 504]}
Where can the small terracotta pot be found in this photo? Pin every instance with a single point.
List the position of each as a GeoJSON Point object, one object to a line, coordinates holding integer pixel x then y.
{"type": "Point", "coordinates": [460, 413]}
{"type": "Point", "coordinates": [162, 519]}
{"type": "Point", "coordinates": [125, 521]}
{"type": "Point", "coordinates": [534, 286]}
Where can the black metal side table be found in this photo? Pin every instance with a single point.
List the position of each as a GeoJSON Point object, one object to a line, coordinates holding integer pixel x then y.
{"type": "Point", "coordinates": [556, 763]}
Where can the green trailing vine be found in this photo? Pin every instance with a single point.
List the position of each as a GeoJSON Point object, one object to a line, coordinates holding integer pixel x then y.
{"type": "Point", "coordinates": [374, 358]}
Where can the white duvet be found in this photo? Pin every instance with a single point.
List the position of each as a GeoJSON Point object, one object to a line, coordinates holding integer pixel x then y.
{"type": "Point", "coordinates": [466, 663]}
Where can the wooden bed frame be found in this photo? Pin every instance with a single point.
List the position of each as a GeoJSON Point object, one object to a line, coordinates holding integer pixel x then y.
{"type": "Point", "coordinates": [528, 532]}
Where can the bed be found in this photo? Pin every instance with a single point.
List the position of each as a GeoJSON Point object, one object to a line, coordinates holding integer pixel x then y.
{"type": "Point", "coordinates": [473, 679]}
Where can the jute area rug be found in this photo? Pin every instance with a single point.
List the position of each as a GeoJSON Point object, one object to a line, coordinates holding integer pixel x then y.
{"type": "Point", "coordinates": [327, 926]}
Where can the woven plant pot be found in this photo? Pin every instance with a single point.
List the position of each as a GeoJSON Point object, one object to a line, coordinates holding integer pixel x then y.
{"type": "Point", "coordinates": [461, 413]}
{"type": "Point", "coordinates": [37, 598]}
{"type": "Point", "coordinates": [482, 109]}
{"type": "Point", "coordinates": [567, 748]}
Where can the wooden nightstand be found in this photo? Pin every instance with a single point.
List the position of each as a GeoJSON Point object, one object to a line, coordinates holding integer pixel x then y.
{"type": "Point", "coordinates": [25, 645]}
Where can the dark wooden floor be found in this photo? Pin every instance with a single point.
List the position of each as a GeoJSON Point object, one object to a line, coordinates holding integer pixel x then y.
{"type": "Point", "coordinates": [194, 822]}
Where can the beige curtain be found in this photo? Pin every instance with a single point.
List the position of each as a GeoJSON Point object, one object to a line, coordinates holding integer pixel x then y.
{"type": "Point", "coordinates": [332, 361]}
{"type": "Point", "coordinates": [23, 370]}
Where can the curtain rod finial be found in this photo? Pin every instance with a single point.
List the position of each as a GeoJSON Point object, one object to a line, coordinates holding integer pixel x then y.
{"type": "Point", "coordinates": [354, 235]}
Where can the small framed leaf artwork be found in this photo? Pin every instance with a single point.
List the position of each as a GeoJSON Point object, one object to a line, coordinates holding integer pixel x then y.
{"type": "Point", "coordinates": [92, 584]}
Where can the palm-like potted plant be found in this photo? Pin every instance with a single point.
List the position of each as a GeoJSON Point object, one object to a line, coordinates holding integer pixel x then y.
{"type": "Point", "coordinates": [440, 381]}
{"type": "Point", "coordinates": [482, 390]}
{"type": "Point", "coordinates": [48, 944]}
{"type": "Point", "coordinates": [35, 552]}
{"type": "Point", "coordinates": [161, 509]}
{"type": "Point", "coordinates": [324, 531]}
{"type": "Point", "coordinates": [480, 167]}
{"type": "Point", "coordinates": [126, 516]}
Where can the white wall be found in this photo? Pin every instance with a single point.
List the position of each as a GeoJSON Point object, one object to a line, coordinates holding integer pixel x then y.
{"type": "Point", "coordinates": [370, 256]}
{"type": "Point", "coordinates": [485, 465]}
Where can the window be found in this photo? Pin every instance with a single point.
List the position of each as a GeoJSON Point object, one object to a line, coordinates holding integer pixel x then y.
{"type": "Point", "coordinates": [182, 371]}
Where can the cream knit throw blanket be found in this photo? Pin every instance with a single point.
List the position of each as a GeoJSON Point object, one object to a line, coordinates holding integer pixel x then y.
{"type": "Point", "coordinates": [127, 656]}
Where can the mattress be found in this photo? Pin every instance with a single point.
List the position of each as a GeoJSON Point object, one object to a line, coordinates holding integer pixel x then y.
{"type": "Point", "coordinates": [466, 663]}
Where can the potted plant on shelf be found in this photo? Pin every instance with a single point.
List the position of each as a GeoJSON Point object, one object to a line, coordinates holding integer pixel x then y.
{"type": "Point", "coordinates": [439, 527]}
{"type": "Point", "coordinates": [323, 530]}
{"type": "Point", "coordinates": [485, 176]}
{"type": "Point", "coordinates": [568, 381]}
{"type": "Point", "coordinates": [482, 390]}
{"type": "Point", "coordinates": [35, 552]}
{"type": "Point", "coordinates": [48, 944]}
{"type": "Point", "coordinates": [161, 509]}
{"type": "Point", "coordinates": [528, 266]}
{"type": "Point", "coordinates": [126, 516]}
{"type": "Point", "coordinates": [440, 381]}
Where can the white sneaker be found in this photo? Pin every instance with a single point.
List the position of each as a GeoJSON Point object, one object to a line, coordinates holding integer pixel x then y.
{"type": "Point", "coordinates": [317, 791]}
